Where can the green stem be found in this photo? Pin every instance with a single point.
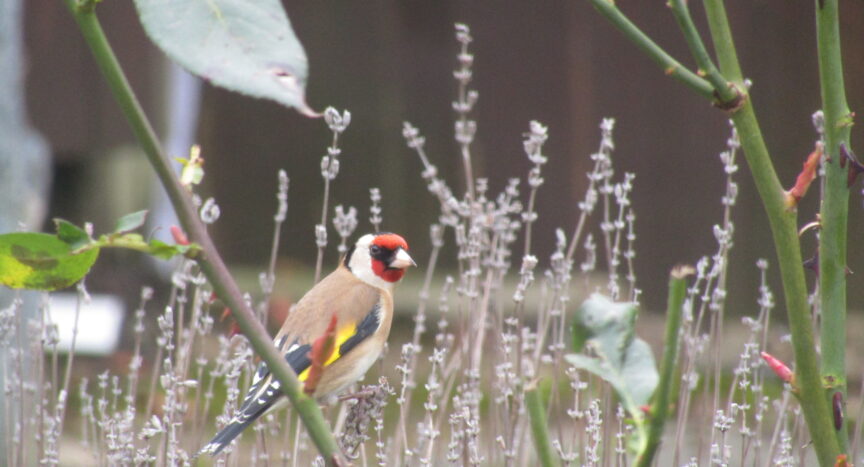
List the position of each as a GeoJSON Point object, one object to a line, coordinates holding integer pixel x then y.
{"type": "Point", "coordinates": [783, 224]}
{"type": "Point", "coordinates": [835, 206]}
{"type": "Point", "coordinates": [660, 406]}
{"type": "Point", "coordinates": [669, 65]}
{"type": "Point", "coordinates": [539, 427]}
{"type": "Point", "coordinates": [721, 33]}
{"type": "Point", "coordinates": [817, 412]}
{"type": "Point", "coordinates": [724, 92]}
{"type": "Point", "coordinates": [785, 234]}
{"type": "Point", "coordinates": [210, 261]}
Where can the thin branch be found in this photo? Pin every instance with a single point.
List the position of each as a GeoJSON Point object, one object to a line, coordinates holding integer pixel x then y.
{"type": "Point", "coordinates": [209, 261]}
{"type": "Point", "coordinates": [669, 65]}
{"type": "Point", "coordinates": [721, 33]}
{"type": "Point", "coordinates": [725, 94]}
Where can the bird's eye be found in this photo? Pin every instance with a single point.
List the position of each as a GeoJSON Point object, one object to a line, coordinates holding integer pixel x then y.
{"type": "Point", "coordinates": [375, 249]}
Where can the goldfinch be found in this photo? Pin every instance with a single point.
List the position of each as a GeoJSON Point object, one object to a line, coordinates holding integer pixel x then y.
{"type": "Point", "coordinates": [359, 293]}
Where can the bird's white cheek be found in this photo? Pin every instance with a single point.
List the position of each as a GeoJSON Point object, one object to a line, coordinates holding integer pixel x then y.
{"type": "Point", "coordinates": [367, 275]}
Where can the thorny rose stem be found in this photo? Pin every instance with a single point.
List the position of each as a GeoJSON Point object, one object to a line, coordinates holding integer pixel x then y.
{"type": "Point", "coordinates": [783, 222]}
{"type": "Point", "coordinates": [209, 261]}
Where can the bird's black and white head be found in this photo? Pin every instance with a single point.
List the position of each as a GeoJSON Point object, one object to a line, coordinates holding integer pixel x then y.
{"type": "Point", "coordinates": [379, 259]}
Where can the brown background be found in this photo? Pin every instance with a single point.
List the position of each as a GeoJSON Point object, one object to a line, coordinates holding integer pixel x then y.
{"type": "Point", "coordinates": [387, 62]}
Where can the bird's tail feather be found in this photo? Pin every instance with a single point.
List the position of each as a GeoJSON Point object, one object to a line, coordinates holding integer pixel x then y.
{"type": "Point", "coordinates": [225, 436]}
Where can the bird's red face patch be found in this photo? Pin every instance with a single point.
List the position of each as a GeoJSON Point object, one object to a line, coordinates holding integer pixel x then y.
{"type": "Point", "coordinates": [388, 274]}
{"type": "Point", "coordinates": [389, 243]}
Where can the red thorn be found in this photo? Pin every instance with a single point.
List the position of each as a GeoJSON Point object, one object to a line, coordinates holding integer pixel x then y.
{"type": "Point", "coordinates": [779, 368]}
{"type": "Point", "coordinates": [233, 328]}
{"type": "Point", "coordinates": [837, 406]}
{"type": "Point", "coordinates": [805, 178]}
{"type": "Point", "coordinates": [842, 461]}
{"type": "Point", "coordinates": [322, 349]}
{"type": "Point", "coordinates": [855, 167]}
{"type": "Point", "coordinates": [179, 237]}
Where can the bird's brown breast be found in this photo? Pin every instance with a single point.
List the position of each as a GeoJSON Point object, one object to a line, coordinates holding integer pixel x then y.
{"type": "Point", "coordinates": [341, 293]}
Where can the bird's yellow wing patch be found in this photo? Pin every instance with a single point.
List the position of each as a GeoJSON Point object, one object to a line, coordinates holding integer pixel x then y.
{"type": "Point", "coordinates": [342, 336]}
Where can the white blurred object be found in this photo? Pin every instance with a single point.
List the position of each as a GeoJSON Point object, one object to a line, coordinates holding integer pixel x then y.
{"type": "Point", "coordinates": [99, 324]}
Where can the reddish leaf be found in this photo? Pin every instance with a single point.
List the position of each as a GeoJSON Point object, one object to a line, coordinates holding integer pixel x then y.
{"type": "Point", "coordinates": [322, 349]}
{"type": "Point", "coordinates": [805, 178]}
{"type": "Point", "coordinates": [779, 368]}
{"type": "Point", "coordinates": [179, 237]}
{"type": "Point", "coordinates": [233, 328]}
{"type": "Point", "coordinates": [842, 461]}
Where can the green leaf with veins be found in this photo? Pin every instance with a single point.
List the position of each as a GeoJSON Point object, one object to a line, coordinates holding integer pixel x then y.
{"type": "Point", "coordinates": [243, 46]}
{"type": "Point", "coordinates": [71, 234]}
{"type": "Point", "coordinates": [130, 222]}
{"type": "Point", "coordinates": [50, 262]}
{"type": "Point", "coordinates": [42, 261]}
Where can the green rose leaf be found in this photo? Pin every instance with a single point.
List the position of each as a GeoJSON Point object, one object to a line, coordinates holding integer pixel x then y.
{"type": "Point", "coordinates": [70, 233]}
{"type": "Point", "coordinates": [163, 250]}
{"type": "Point", "coordinates": [607, 330]}
{"type": "Point", "coordinates": [247, 47]}
{"type": "Point", "coordinates": [130, 222]}
{"type": "Point", "coordinates": [42, 261]}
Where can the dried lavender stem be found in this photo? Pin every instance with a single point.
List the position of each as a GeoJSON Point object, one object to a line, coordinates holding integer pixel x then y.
{"type": "Point", "coordinates": [601, 162]}
{"type": "Point", "coordinates": [329, 170]}
{"type": "Point", "coordinates": [20, 459]}
{"type": "Point", "coordinates": [40, 388]}
{"type": "Point", "coordinates": [67, 376]}
{"type": "Point", "coordinates": [477, 353]}
{"type": "Point", "coordinates": [278, 220]}
{"type": "Point", "coordinates": [320, 259]}
{"type": "Point", "coordinates": [859, 421]}
{"type": "Point", "coordinates": [437, 243]}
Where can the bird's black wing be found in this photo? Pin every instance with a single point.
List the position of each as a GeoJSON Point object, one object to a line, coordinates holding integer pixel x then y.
{"type": "Point", "coordinates": [366, 328]}
{"type": "Point", "coordinates": [263, 393]}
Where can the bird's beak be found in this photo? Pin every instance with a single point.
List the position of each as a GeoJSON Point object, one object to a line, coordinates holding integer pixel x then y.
{"type": "Point", "coordinates": [402, 260]}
